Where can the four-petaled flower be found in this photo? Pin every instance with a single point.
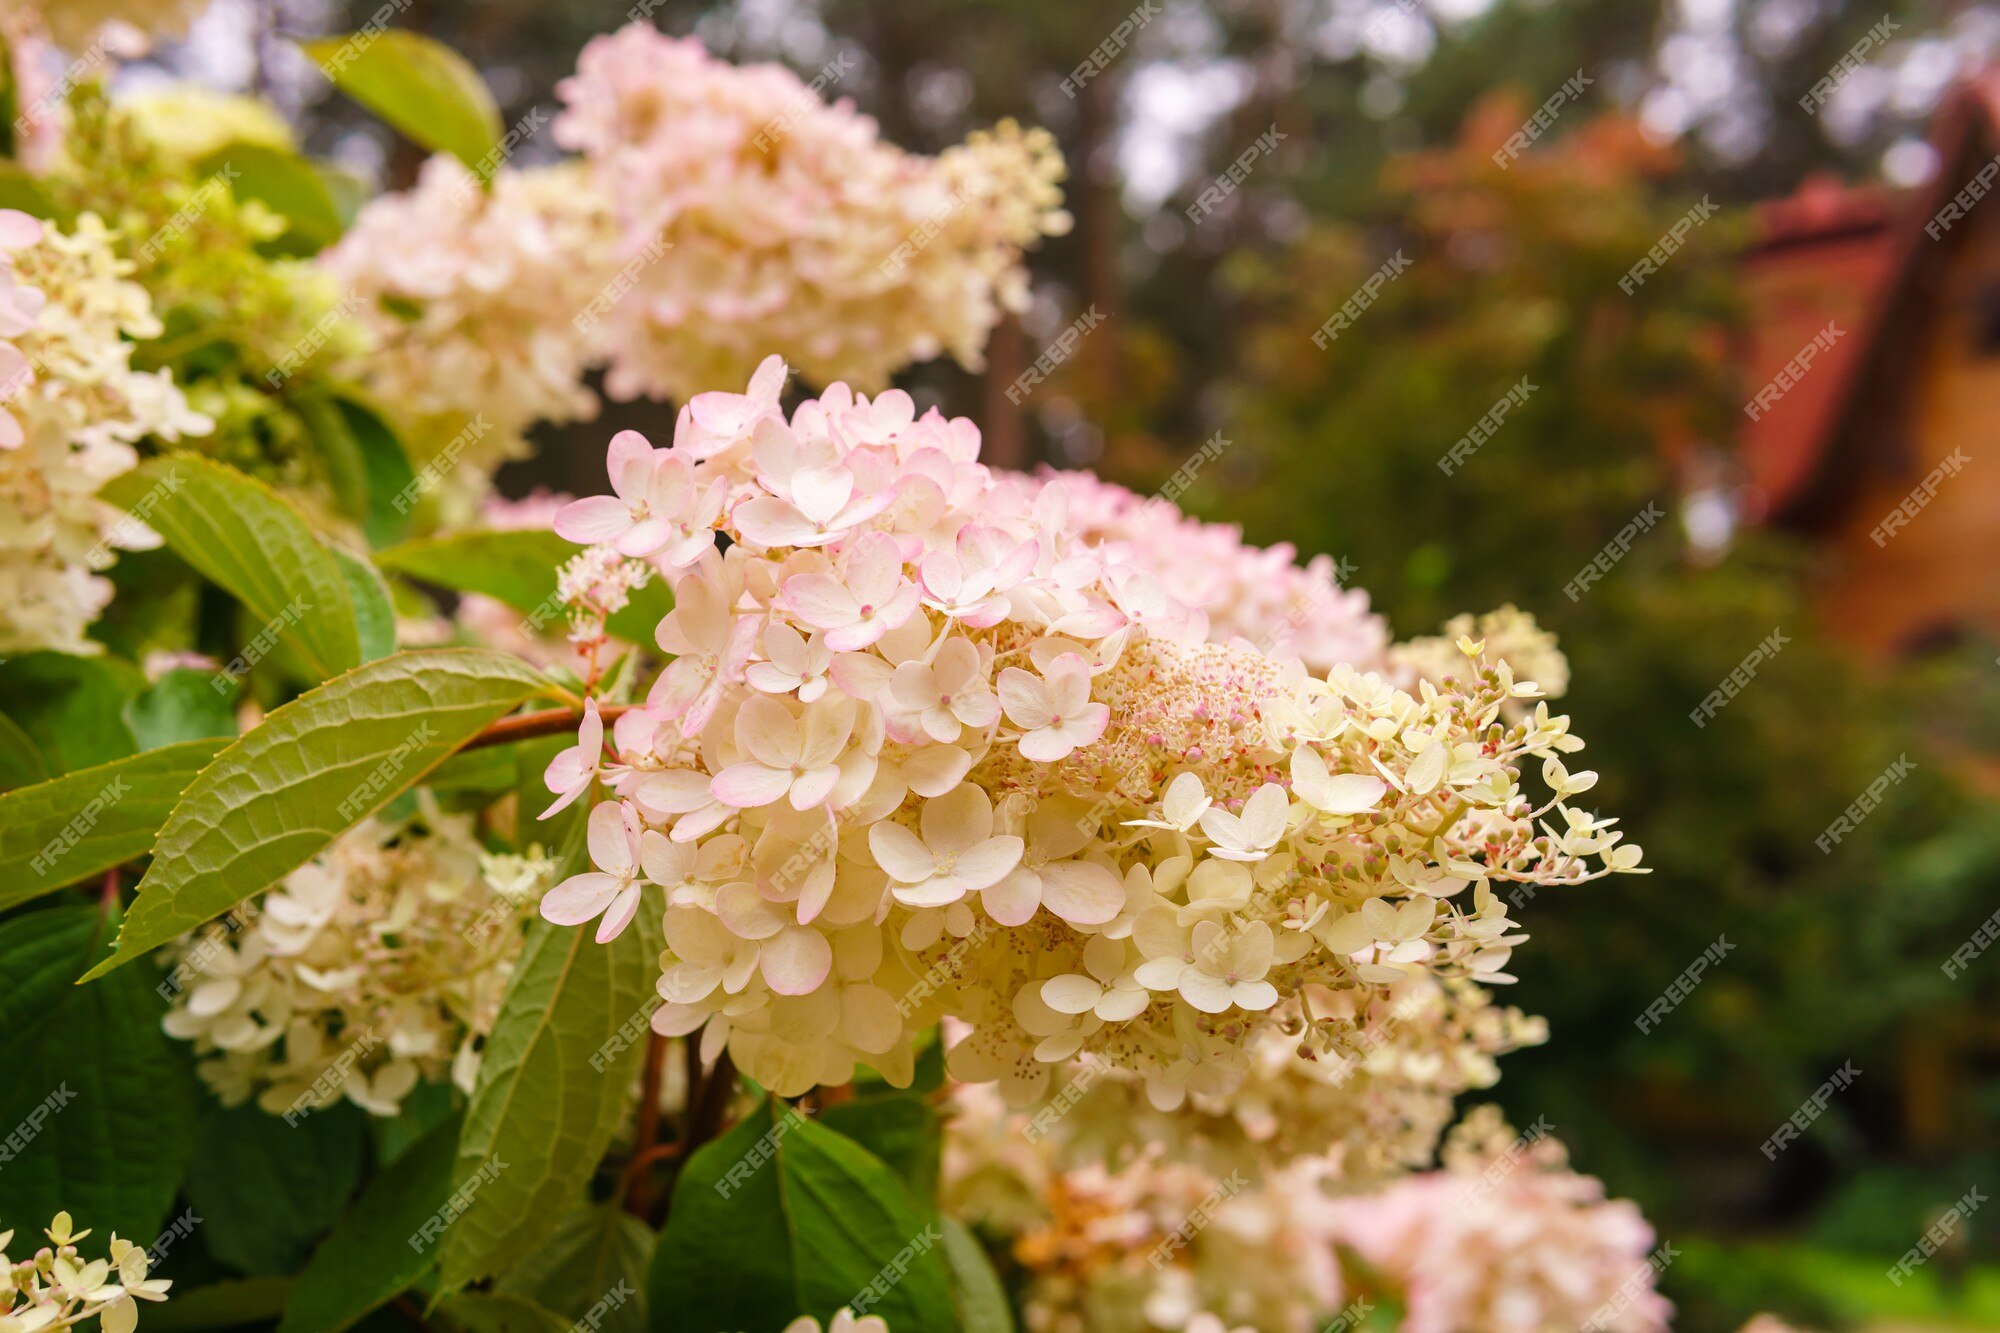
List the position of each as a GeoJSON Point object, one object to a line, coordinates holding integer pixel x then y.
{"type": "Point", "coordinates": [790, 756]}
{"type": "Point", "coordinates": [957, 853]}
{"type": "Point", "coordinates": [571, 772]}
{"type": "Point", "coordinates": [1054, 711]}
{"type": "Point", "coordinates": [1252, 835]}
{"type": "Point", "coordinates": [611, 891]}
{"type": "Point", "coordinates": [947, 695]}
{"type": "Point", "coordinates": [859, 609]}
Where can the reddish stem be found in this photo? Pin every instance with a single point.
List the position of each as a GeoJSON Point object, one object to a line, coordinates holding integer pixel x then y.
{"type": "Point", "coordinates": [548, 722]}
{"type": "Point", "coordinates": [638, 1188]}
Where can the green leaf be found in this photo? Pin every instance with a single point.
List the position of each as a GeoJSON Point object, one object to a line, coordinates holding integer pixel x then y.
{"type": "Point", "coordinates": [901, 1130]}
{"type": "Point", "coordinates": [392, 488]}
{"type": "Point", "coordinates": [420, 86]}
{"type": "Point", "coordinates": [183, 705]}
{"type": "Point", "coordinates": [72, 707]}
{"type": "Point", "coordinates": [111, 1095]}
{"type": "Point", "coordinates": [374, 617]}
{"type": "Point", "coordinates": [284, 182]}
{"type": "Point", "coordinates": [554, 1083]}
{"type": "Point", "coordinates": [22, 189]}
{"type": "Point", "coordinates": [975, 1288]}
{"type": "Point", "coordinates": [518, 567]}
{"type": "Point", "coordinates": [241, 535]}
{"type": "Point", "coordinates": [487, 769]}
{"type": "Point", "coordinates": [318, 765]}
{"type": "Point", "coordinates": [155, 605]}
{"type": "Point", "coordinates": [267, 1187]}
{"type": "Point", "coordinates": [339, 454]}
{"type": "Point", "coordinates": [253, 1300]}
{"type": "Point", "coordinates": [427, 1106]}
{"type": "Point", "coordinates": [42, 952]}
{"type": "Point", "coordinates": [21, 764]}
{"type": "Point", "coordinates": [764, 1229]}
{"type": "Point", "coordinates": [592, 1271]}
{"type": "Point", "coordinates": [83, 823]}
{"type": "Point", "coordinates": [478, 1312]}
{"type": "Point", "coordinates": [368, 1258]}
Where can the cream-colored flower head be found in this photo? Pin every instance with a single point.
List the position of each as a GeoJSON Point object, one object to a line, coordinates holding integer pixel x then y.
{"type": "Point", "coordinates": [925, 750]}
{"type": "Point", "coordinates": [470, 299]}
{"type": "Point", "coordinates": [56, 1288]}
{"type": "Point", "coordinates": [1508, 635]}
{"type": "Point", "coordinates": [74, 409]}
{"type": "Point", "coordinates": [755, 218]}
{"type": "Point", "coordinates": [376, 965]}
{"type": "Point", "coordinates": [187, 121]}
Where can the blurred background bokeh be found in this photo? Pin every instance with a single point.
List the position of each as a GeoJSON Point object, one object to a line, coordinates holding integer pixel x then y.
{"type": "Point", "coordinates": [1728, 257]}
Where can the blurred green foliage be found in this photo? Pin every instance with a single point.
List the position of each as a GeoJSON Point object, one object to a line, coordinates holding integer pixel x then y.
{"type": "Point", "coordinates": [1833, 957]}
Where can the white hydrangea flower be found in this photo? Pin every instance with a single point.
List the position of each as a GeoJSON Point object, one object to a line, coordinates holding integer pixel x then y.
{"type": "Point", "coordinates": [378, 964]}
{"type": "Point", "coordinates": [56, 1289]}
{"type": "Point", "coordinates": [1069, 819]}
{"type": "Point", "coordinates": [74, 410]}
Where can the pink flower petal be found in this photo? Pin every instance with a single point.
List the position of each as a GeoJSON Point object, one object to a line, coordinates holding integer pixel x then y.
{"type": "Point", "coordinates": [598, 518]}
{"type": "Point", "coordinates": [1026, 699]}
{"type": "Point", "coordinates": [619, 915]}
{"type": "Point", "coordinates": [796, 960]}
{"type": "Point", "coordinates": [580, 898]}
{"type": "Point", "coordinates": [749, 786]}
{"type": "Point", "coordinates": [822, 601]}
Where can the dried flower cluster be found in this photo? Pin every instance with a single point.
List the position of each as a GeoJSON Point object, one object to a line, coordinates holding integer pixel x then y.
{"type": "Point", "coordinates": [53, 1290]}
{"type": "Point", "coordinates": [926, 750]}
{"type": "Point", "coordinates": [74, 408]}
{"type": "Point", "coordinates": [379, 963]}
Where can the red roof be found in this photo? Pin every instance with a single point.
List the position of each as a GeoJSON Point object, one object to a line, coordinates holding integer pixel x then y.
{"type": "Point", "coordinates": [1849, 255]}
{"type": "Point", "coordinates": [1819, 258]}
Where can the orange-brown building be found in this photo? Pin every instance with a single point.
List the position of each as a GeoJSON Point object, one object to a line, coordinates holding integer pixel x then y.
{"type": "Point", "coordinates": [1886, 449]}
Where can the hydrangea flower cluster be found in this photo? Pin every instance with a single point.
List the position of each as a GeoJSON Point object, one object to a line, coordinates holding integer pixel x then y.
{"type": "Point", "coordinates": [1507, 1238]}
{"type": "Point", "coordinates": [379, 963]}
{"type": "Point", "coordinates": [1510, 634]}
{"type": "Point", "coordinates": [187, 121]}
{"type": "Point", "coordinates": [1504, 1238]}
{"type": "Point", "coordinates": [715, 212]}
{"type": "Point", "coordinates": [470, 298]}
{"type": "Point", "coordinates": [1152, 1243]}
{"type": "Point", "coordinates": [72, 409]}
{"type": "Point", "coordinates": [52, 1289]}
{"type": "Point", "coordinates": [1260, 595]}
{"type": "Point", "coordinates": [204, 255]}
{"type": "Point", "coordinates": [755, 218]}
{"type": "Point", "coordinates": [925, 750]}
{"type": "Point", "coordinates": [1375, 1110]}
